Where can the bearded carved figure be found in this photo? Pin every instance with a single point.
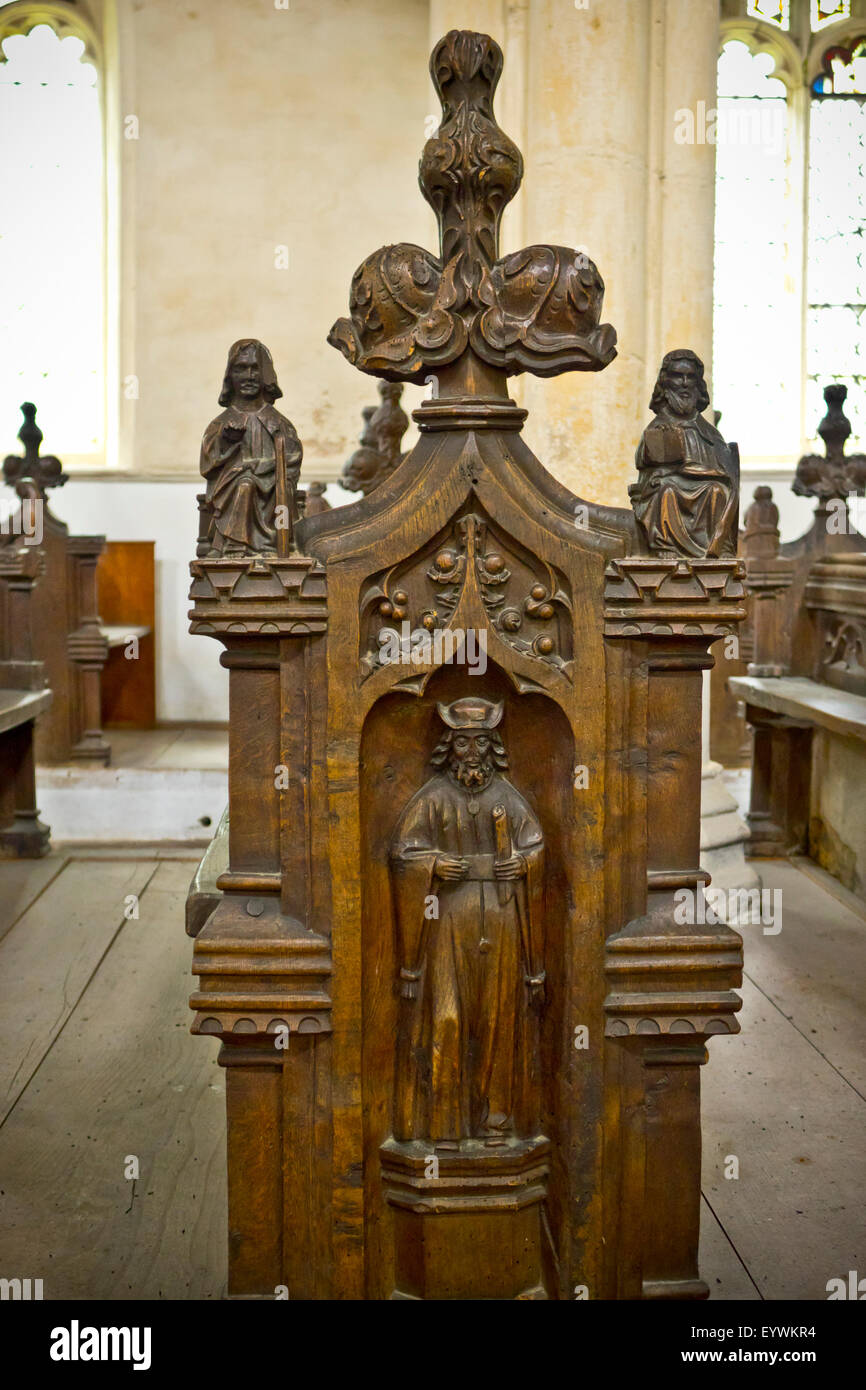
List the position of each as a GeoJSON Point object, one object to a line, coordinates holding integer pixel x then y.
{"type": "Point", "coordinates": [686, 496]}
{"type": "Point", "coordinates": [467, 863]}
{"type": "Point", "coordinates": [242, 452]}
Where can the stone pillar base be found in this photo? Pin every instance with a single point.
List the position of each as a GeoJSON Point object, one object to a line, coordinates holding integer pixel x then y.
{"type": "Point", "coordinates": [724, 835]}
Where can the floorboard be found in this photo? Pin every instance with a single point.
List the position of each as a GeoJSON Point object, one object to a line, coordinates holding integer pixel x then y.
{"type": "Point", "coordinates": [124, 1078]}
{"type": "Point", "coordinates": [798, 1130]}
{"type": "Point", "coordinates": [48, 957]}
{"type": "Point", "coordinates": [21, 882]}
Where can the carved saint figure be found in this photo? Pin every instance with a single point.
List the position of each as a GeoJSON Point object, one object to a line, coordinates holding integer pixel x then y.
{"type": "Point", "coordinates": [685, 498]}
{"type": "Point", "coordinates": [467, 864]}
{"type": "Point", "coordinates": [241, 454]}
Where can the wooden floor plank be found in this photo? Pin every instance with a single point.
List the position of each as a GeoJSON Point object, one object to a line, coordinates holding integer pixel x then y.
{"type": "Point", "coordinates": [50, 954]}
{"type": "Point", "coordinates": [814, 970]}
{"type": "Point", "coordinates": [21, 882]}
{"type": "Point", "coordinates": [798, 1129]}
{"type": "Point", "coordinates": [124, 1078]}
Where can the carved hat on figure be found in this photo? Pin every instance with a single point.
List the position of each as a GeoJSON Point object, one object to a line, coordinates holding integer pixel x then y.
{"type": "Point", "coordinates": [471, 713]}
{"type": "Point", "coordinates": [270, 385]}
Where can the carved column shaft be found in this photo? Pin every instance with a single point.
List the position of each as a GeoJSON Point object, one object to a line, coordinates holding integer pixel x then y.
{"type": "Point", "coordinates": [263, 969]}
{"type": "Point", "coordinates": [671, 974]}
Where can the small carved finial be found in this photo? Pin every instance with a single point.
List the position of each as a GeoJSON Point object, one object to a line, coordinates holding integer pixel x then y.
{"type": "Point", "coordinates": [834, 475]}
{"type": "Point", "coordinates": [251, 458]}
{"type": "Point", "coordinates": [761, 524]}
{"type": "Point", "coordinates": [687, 494]}
{"type": "Point", "coordinates": [33, 474]}
{"type": "Point", "coordinates": [315, 500]}
{"type": "Point", "coordinates": [535, 310]}
{"type": "Point", "coordinates": [379, 451]}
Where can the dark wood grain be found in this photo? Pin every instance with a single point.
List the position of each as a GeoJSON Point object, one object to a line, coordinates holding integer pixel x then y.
{"type": "Point", "coordinates": [575, 1168]}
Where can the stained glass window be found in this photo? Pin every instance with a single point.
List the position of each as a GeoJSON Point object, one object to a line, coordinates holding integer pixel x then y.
{"type": "Point", "coordinates": [51, 241]}
{"type": "Point", "coordinates": [772, 11]}
{"type": "Point", "coordinates": [843, 71]}
{"type": "Point", "coordinates": [823, 12]}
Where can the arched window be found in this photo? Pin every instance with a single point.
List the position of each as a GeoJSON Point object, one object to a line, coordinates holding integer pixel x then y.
{"type": "Point", "coordinates": [52, 255]}
{"type": "Point", "coordinates": [790, 285]}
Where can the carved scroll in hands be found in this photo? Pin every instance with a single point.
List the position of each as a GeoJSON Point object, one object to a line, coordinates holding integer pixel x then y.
{"type": "Point", "coordinates": [251, 458]}
{"type": "Point", "coordinates": [471, 969]}
{"type": "Point", "coordinates": [526, 602]}
{"type": "Point", "coordinates": [537, 309]}
{"type": "Point", "coordinates": [687, 494]}
{"type": "Point", "coordinates": [379, 447]}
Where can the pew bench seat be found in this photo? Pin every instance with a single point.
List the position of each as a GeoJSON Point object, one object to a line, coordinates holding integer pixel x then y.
{"type": "Point", "coordinates": [203, 894]}
{"type": "Point", "coordinates": [19, 706]}
{"type": "Point", "coordinates": [117, 636]}
{"type": "Point", "coordinates": [808, 773]}
{"type": "Point", "coordinates": [804, 701]}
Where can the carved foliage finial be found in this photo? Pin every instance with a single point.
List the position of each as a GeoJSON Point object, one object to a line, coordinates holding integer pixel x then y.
{"type": "Point", "coordinates": [536, 310]}
{"type": "Point", "coordinates": [835, 475]}
{"type": "Point", "coordinates": [33, 474]}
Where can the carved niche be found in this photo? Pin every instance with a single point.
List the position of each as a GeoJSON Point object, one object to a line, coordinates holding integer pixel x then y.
{"type": "Point", "coordinates": [459, 904]}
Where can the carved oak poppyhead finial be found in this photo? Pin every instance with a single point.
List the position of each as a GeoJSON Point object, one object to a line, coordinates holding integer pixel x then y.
{"type": "Point", "coordinates": [837, 474]}
{"type": "Point", "coordinates": [33, 474]}
{"type": "Point", "coordinates": [535, 310]}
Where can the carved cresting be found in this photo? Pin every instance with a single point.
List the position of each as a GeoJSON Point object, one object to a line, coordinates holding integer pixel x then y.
{"type": "Point", "coordinates": [464, 897]}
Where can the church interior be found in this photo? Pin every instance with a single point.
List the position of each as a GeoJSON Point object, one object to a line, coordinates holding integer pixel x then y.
{"type": "Point", "coordinates": [433, 679]}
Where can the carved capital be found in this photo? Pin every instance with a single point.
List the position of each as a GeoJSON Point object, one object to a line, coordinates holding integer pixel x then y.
{"type": "Point", "coordinates": [260, 974]}
{"type": "Point", "coordinates": [87, 646]}
{"type": "Point", "coordinates": [663, 984]}
{"type": "Point", "coordinates": [258, 596]}
{"type": "Point", "coordinates": [646, 597]}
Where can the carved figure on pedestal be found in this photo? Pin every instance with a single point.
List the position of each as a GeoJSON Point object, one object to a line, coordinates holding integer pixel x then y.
{"type": "Point", "coordinates": [251, 458]}
{"type": "Point", "coordinates": [379, 445]}
{"type": "Point", "coordinates": [685, 499]}
{"type": "Point", "coordinates": [467, 864]}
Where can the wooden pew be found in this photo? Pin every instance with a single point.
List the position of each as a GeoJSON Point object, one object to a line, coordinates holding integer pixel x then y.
{"type": "Point", "coordinates": [805, 689]}
{"type": "Point", "coordinates": [127, 604]}
{"type": "Point", "coordinates": [457, 962]}
{"type": "Point", "coordinates": [66, 629]}
{"type": "Point", "coordinates": [23, 697]}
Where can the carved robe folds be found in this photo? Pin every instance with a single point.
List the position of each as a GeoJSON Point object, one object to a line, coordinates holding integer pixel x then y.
{"type": "Point", "coordinates": [238, 458]}
{"type": "Point", "coordinates": [685, 499]}
{"type": "Point", "coordinates": [469, 1034]}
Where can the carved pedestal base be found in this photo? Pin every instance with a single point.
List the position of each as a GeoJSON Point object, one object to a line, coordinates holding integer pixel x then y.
{"type": "Point", "coordinates": [25, 837]}
{"type": "Point", "coordinates": [93, 747]}
{"type": "Point", "coordinates": [486, 1202]}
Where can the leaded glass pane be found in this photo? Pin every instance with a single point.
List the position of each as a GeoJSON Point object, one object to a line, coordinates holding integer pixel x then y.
{"type": "Point", "coordinates": [836, 288]}
{"type": "Point", "coordinates": [773, 11]}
